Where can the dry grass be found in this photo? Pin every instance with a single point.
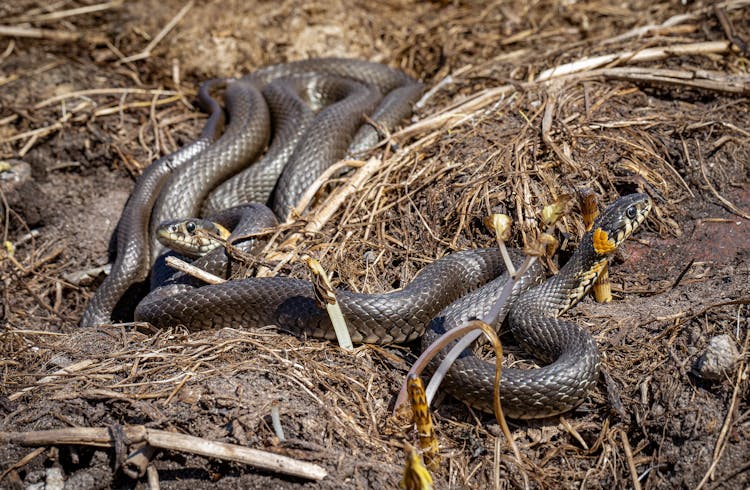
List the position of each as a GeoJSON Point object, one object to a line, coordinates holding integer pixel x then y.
{"type": "Point", "coordinates": [628, 112]}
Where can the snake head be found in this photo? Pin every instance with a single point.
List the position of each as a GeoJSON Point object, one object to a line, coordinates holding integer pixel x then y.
{"type": "Point", "coordinates": [192, 237]}
{"type": "Point", "coordinates": [618, 221]}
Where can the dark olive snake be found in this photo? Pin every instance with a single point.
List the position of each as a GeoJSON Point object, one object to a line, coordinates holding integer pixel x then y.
{"type": "Point", "coordinates": [447, 293]}
{"type": "Point", "coordinates": [335, 93]}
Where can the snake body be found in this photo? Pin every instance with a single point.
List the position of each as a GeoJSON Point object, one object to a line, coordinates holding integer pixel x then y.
{"type": "Point", "coordinates": [465, 286]}
{"type": "Point", "coordinates": [394, 317]}
{"type": "Point", "coordinates": [179, 184]}
{"type": "Point", "coordinates": [133, 259]}
{"type": "Point", "coordinates": [567, 348]}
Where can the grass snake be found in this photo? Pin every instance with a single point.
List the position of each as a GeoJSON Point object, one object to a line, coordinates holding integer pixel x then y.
{"type": "Point", "coordinates": [312, 112]}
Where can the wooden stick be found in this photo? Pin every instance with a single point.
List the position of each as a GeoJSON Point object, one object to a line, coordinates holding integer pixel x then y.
{"type": "Point", "coordinates": [631, 462]}
{"type": "Point", "coordinates": [322, 215]}
{"type": "Point", "coordinates": [729, 205]}
{"type": "Point", "coordinates": [102, 437]}
{"type": "Point", "coordinates": [700, 79]}
{"type": "Point", "coordinates": [629, 57]}
{"type": "Point", "coordinates": [51, 34]}
{"type": "Point", "coordinates": [310, 192]}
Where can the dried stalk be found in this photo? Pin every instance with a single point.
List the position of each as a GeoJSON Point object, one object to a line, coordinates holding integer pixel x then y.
{"type": "Point", "coordinates": [102, 437]}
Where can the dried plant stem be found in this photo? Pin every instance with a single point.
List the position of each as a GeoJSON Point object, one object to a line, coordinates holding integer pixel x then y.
{"type": "Point", "coordinates": [51, 34]}
{"type": "Point", "coordinates": [102, 437]}
{"type": "Point", "coordinates": [104, 91]}
{"type": "Point", "coordinates": [326, 297]}
{"type": "Point", "coordinates": [190, 269]}
{"type": "Point", "coordinates": [701, 79]}
{"type": "Point", "coordinates": [629, 458]}
{"type": "Point", "coordinates": [22, 462]}
{"type": "Point", "coordinates": [161, 35]}
{"type": "Point", "coordinates": [730, 206]}
{"type": "Point", "coordinates": [478, 327]}
{"type": "Point", "coordinates": [675, 20]}
{"type": "Point", "coordinates": [648, 54]}
{"type": "Point", "coordinates": [62, 14]}
{"type": "Point", "coordinates": [36, 133]}
{"type": "Point", "coordinates": [466, 109]}
{"type": "Point", "coordinates": [73, 368]}
{"type": "Point", "coordinates": [310, 192]}
{"type": "Point", "coordinates": [316, 221]}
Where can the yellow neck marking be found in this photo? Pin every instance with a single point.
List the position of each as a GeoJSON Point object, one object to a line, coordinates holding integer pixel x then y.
{"type": "Point", "coordinates": [223, 232]}
{"type": "Point", "coordinates": [602, 243]}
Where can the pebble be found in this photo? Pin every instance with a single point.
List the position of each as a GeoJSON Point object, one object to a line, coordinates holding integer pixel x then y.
{"type": "Point", "coordinates": [718, 360]}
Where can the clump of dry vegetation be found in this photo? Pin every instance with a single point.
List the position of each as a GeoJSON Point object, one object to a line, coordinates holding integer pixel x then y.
{"type": "Point", "coordinates": [527, 101]}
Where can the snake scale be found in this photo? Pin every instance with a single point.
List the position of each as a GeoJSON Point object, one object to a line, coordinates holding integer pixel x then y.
{"type": "Point", "coordinates": [333, 94]}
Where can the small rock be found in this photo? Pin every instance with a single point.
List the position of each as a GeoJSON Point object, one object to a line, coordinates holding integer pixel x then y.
{"type": "Point", "coordinates": [21, 193]}
{"type": "Point", "coordinates": [55, 479]}
{"type": "Point", "coordinates": [718, 359]}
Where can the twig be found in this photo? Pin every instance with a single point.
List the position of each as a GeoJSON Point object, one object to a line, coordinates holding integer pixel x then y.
{"type": "Point", "coordinates": [466, 109]}
{"type": "Point", "coordinates": [467, 330]}
{"type": "Point", "coordinates": [648, 54]}
{"type": "Point", "coordinates": [726, 203]}
{"type": "Point", "coordinates": [700, 79]}
{"type": "Point", "coordinates": [310, 192]}
{"type": "Point", "coordinates": [629, 458]}
{"type": "Point", "coordinates": [51, 34]}
{"type": "Point", "coordinates": [549, 112]}
{"type": "Point", "coordinates": [682, 274]}
{"type": "Point", "coordinates": [102, 437]}
{"type": "Point", "coordinates": [162, 34]}
{"type": "Point", "coordinates": [138, 461]}
{"type": "Point", "coordinates": [105, 111]}
{"type": "Point", "coordinates": [3, 55]}
{"type": "Point", "coordinates": [39, 131]}
{"type": "Point", "coordinates": [316, 222]}
{"type": "Point", "coordinates": [674, 20]}
{"type": "Point", "coordinates": [153, 478]}
{"type": "Point", "coordinates": [431, 92]}
{"type": "Point", "coordinates": [731, 34]}
{"type": "Point", "coordinates": [22, 462]}
{"type": "Point", "coordinates": [73, 368]}
{"type": "Point", "coordinates": [190, 269]}
{"type": "Point", "coordinates": [61, 14]}
{"type": "Point", "coordinates": [103, 91]}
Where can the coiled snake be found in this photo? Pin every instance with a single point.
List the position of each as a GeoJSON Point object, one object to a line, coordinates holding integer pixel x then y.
{"type": "Point", "coordinates": [450, 291]}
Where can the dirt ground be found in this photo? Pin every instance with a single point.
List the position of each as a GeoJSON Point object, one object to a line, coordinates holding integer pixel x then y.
{"type": "Point", "coordinates": [90, 96]}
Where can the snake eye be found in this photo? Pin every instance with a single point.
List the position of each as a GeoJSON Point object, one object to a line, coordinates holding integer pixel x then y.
{"type": "Point", "coordinates": [190, 226]}
{"type": "Point", "coordinates": [631, 212]}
